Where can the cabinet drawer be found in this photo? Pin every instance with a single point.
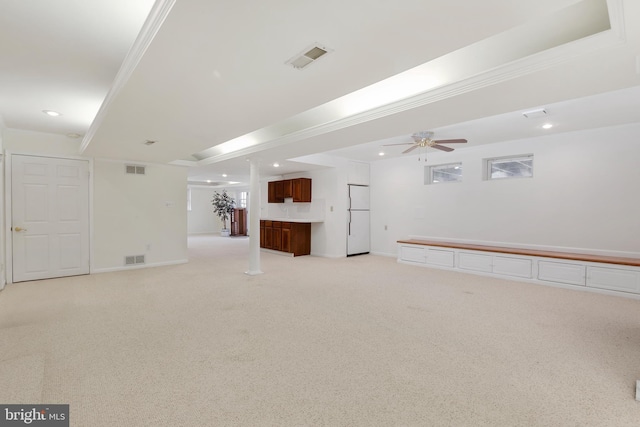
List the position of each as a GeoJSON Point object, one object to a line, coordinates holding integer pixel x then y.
{"type": "Point", "coordinates": [440, 257]}
{"type": "Point", "coordinates": [614, 279]}
{"type": "Point", "coordinates": [511, 266]}
{"type": "Point", "coordinates": [475, 262]}
{"type": "Point", "coordinates": [561, 272]}
{"type": "Point", "coordinates": [412, 254]}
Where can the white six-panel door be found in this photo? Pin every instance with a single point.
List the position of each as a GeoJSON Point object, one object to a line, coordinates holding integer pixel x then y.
{"type": "Point", "coordinates": [50, 217]}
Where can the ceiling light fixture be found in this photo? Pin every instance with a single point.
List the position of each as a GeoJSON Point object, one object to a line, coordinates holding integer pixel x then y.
{"type": "Point", "coordinates": [381, 153]}
{"type": "Point", "coordinates": [224, 175]}
{"type": "Point", "coordinates": [547, 126]}
{"type": "Point", "coordinates": [149, 142]}
{"type": "Point", "coordinates": [532, 114]}
{"type": "Point", "coordinates": [276, 165]}
{"type": "Point", "coordinates": [51, 113]}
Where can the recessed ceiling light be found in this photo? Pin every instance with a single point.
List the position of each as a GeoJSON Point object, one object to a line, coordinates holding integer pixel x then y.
{"type": "Point", "coordinates": [51, 113]}
{"type": "Point", "coordinates": [73, 135]}
{"type": "Point", "coordinates": [276, 165]}
{"type": "Point", "coordinates": [381, 153]}
{"type": "Point", "coordinates": [150, 142]}
{"type": "Point", "coordinates": [547, 126]}
{"type": "Point", "coordinates": [224, 175]}
{"type": "Point", "coordinates": [209, 181]}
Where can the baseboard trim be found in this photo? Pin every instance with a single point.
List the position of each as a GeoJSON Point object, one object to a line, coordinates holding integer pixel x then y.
{"type": "Point", "coordinates": [137, 267]}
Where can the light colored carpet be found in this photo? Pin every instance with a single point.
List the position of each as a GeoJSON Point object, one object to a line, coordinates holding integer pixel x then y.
{"type": "Point", "coordinates": [361, 341]}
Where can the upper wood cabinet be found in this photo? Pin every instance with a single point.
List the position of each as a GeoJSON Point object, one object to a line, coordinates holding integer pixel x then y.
{"type": "Point", "coordinates": [298, 188]}
{"type": "Point", "coordinates": [301, 189]}
{"type": "Point", "coordinates": [287, 188]}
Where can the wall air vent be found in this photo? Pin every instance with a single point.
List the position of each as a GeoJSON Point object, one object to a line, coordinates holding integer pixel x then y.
{"type": "Point", "coordinates": [135, 170]}
{"type": "Point", "coordinates": [133, 259]}
{"type": "Point", "coordinates": [309, 55]}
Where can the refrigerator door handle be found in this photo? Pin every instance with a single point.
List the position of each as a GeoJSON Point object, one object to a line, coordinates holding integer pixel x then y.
{"type": "Point", "coordinates": [349, 224]}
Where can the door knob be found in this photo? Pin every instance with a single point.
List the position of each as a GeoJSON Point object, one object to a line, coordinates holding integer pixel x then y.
{"type": "Point", "coordinates": [19, 229]}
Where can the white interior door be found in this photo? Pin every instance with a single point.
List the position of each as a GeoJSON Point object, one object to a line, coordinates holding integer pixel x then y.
{"type": "Point", "coordinates": [50, 217]}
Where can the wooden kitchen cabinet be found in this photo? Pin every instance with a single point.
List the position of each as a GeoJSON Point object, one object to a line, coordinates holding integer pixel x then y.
{"type": "Point", "coordinates": [286, 237]}
{"type": "Point", "coordinates": [239, 222]}
{"type": "Point", "coordinates": [271, 192]}
{"type": "Point", "coordinates": [268, 235]}
{"type": "Point", "coordinates": [299, 189]}
{"type": "Point", "coordinates": [290, 237]}
{"type": "Point", "coordinates": [276, 238]}
{"type": "Point", "coordinates": [287, 188]}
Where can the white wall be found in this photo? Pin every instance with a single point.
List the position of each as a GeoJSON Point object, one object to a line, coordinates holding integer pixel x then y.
{"type": "Point", "coordinates": [130, 212]}
{"type": "Point", "coordinates": [329, 238]}
{"type": "Point", "coordinates": [138, 214]}
{"type": "Point", "coordinates": [201, 219]}
{"type": "Point", "coordinates": [583, 196]}
{"type": "Point", "coordinates": [3, 240]}
{"type": "Point", "coordinates": [39, 143]}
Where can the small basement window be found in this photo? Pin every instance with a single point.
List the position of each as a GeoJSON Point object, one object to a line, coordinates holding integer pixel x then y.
{"type": "Point", "coordinates": [438, 174]}
{"type": "Point", "coordinates": [509, 167]}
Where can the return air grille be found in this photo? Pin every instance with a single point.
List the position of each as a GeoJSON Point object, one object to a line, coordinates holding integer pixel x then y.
{"type": "Point", "coordinates": [135, 170]}
{"type": "Point", "coordinates": [309, 55]}
{"type": "Point", "coordinates": [133, 259]}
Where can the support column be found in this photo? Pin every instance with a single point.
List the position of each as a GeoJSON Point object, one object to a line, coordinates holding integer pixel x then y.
{"type": "Point", "coordinates": [254, 219]}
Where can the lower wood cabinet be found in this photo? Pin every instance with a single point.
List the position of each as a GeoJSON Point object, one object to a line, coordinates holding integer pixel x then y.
{"type": "Point", "coordinates": [290, 237]}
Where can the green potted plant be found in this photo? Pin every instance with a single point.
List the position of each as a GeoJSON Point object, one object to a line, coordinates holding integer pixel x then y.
{"type": "Point", "coordinates": [223, 206]}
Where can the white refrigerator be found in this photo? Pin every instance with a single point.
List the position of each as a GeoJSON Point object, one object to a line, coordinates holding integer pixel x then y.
{"type": "Point", "coordinates": [358, 240]}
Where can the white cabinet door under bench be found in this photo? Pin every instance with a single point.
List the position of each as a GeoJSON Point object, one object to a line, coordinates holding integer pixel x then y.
{"type": "Point", "coordinates": [562, 272]}
{"type": "Point", "coordinates": [621, 277]}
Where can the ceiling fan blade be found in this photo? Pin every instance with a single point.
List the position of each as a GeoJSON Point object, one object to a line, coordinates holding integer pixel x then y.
{"type": "Point", "coordinates": [410, 149]}
{"type": "Point", "coordinates": [441, 147]}
{"type": "Point", "coordinates": [402, 143]}
{"type": "Point", "coordinates": [450, 141]}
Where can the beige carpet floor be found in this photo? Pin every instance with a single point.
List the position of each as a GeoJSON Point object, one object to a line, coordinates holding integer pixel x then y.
{"type": "Point", "coordinates": [360, 341]}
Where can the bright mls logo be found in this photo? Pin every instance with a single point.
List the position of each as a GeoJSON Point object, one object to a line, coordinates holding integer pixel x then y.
{"type": "Point", "coordinates": [34, 415]}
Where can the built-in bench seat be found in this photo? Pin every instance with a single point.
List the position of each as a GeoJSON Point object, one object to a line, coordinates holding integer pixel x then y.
{"type": "Point", "coordinates": [605, 274]}
{"type": "Point", "coordinates": [635, 262]}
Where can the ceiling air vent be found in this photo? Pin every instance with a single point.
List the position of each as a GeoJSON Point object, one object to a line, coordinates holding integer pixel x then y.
{"type": "Point", "coordinates": [309, 55]}
{"type": "Point", "coordinates": [135, 170]}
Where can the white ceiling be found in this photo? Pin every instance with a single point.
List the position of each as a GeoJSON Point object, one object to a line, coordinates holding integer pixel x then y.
{"type": "Point", "coordinates": [208, 80]}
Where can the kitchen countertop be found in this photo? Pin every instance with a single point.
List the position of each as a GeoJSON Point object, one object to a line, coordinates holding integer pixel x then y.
{"type": "Point", "coordinates": [301, 220]}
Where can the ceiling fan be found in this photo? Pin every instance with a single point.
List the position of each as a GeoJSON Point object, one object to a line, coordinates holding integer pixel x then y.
{"type": "Point", "coordinates": [423, 139]}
